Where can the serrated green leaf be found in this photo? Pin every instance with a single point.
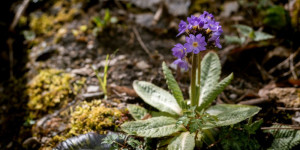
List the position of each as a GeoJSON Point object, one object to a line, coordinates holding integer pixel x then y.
{"type": "Point", "coordinates": [260, 36]}
{"type": "Point", "coordinates": [231, 114]}
{"type": "Point", "coordinates": [208, 94]}
{"type": "Point", "coordinates": [185, 141]}
{"type": "Point", "coordinates": [284, 139]}
{"type": "Point", "coordinates": [137, 112]}
{"type": "Point", "coordinates": [251, 128]}
{"type": "Point", "coordinates": [153, 127]}
{"type": "Point", "coordinates": [210, 70]}
{"type": "Point", "coordinates": [157, 97]}
{"type": "Point", "coordinates": [210, 75]}
{"type": "Point", "coordinates": [173, 86]}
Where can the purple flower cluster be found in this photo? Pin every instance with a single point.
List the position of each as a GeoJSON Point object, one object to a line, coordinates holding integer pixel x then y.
{"type": "Point", "coordinates": [202, 32]}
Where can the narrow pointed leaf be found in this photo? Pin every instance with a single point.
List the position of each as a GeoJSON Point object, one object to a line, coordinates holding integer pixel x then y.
{"type": "Point", "coordinates": [172, 85]}
{"type": "Point", "coordinates": [185, 141]}
{"type": "Point", "coordinates": [231, 114]}
{"type": "Point", "coordinates": [153, 127]}
{"type": "Point", "coordinates": [284, 139]}
{"type": "Point", "coordinates": [157, 97]}
{"type": "Point", "coordinates": [209, 94]}
{"type": "Point", "coordinates": [137, 112]}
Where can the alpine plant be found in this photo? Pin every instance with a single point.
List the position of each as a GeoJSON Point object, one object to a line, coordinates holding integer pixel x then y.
{"type": "Point", "coordinates": [186, 124]}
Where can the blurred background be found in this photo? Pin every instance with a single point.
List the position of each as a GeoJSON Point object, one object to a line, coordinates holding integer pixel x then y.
{"type": "Point", "coordinates": [48, 48]}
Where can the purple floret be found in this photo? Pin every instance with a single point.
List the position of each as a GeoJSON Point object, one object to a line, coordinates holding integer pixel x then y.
{"type": "Point", "coordinates": [182, 27]}
{"type": "Point", "coordinates": [216, 33]}
{"type": "Point", "coordinates": [195, 44]}
{"type": "Point", "coordinates": [179, 51]}
{"type": "Point", "coordinates": [182, 64]}
{"type": "Point", "coordinates": [207, 16]}
{"type": "Point", "coordinates": [194, 22]}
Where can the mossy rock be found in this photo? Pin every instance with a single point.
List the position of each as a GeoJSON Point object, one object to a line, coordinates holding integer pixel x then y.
{"type": "Point", "coordinates": [49, 90]}
{"type": "Point", "coordinates": [90, 117]}
{"type": "Point", "coordinates": [95, 117]}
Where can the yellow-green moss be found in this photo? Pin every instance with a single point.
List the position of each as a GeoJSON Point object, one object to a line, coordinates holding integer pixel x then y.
{"type": "Point", "coordinates": [49, 90]}
{"type": "Point", "coordinates": [47, 24]}
{"type": "Point", "coordinates": [66, 14]}
{"type": "Point", "coordinates": [91, 116]}
{"type": "Point", "coordinates": [42, 24]}
{"type": "Point", "coordinates": [94, 117]}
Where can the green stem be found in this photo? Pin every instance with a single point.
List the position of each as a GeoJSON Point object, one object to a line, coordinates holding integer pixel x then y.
{"type": "Point", "coordinates": [193, 81]}
{"type": "Point", "coordinates": [198, 79]}
{"type": "Point", "coordinates": [199, 69]}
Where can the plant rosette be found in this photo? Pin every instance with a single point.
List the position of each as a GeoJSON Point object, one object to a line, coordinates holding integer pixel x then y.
{"type": "Point", "coordinates": [186, 125]}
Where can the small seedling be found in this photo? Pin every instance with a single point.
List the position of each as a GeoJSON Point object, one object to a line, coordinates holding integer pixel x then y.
{"type": "Point", "coordinates": [103, 80]}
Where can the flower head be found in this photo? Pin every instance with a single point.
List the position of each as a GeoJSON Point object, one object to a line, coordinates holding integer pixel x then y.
{"type": "Point", "coordinates": [181, 63]}
{"type": "Point", "coordinates": [179, 51]}
{"type": "Point", "coordinates": [195, 44]}
{"type": "Point", "coordinates": [204, 32]}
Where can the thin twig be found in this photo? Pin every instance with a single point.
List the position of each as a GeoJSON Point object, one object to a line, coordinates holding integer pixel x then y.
{"type": "Point", "coordinates": [236, 90]}
{"type": "Point", "coordinates": [119, 4]}
{"type": "Point", "coordinates": [138, 37]}
{"type": "Point", "coordinates": [19, 13]}
{"type": "Point", "coordinates": [292, 68]}
{"type": "Point", "coordinates": [284, 108]}
{"type": "Point", "coordinates": [158, 14]}
{"type": "Point", "coordinates": [10, 40]}
{"type": "Point", "coordinates": [224, 97]}
{"type": "Point", "coordinates": [265, 75]}
{"type": "Point", "coordinates": [289, 72]}
{"type": "Point", "coordinates": [254, 101]}
{"type": "Point", "coordinates": [284, 62]}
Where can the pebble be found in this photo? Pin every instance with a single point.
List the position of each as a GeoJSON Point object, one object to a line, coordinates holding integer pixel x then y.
{"type": "Point", "coordinates": [233, 96]}
{"type": "Point", "coordinates": [89, 96]}
{"type": "Point", "coordinates": [142, 65]}
{"type": "Point", "coordinates": [92, 89]}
